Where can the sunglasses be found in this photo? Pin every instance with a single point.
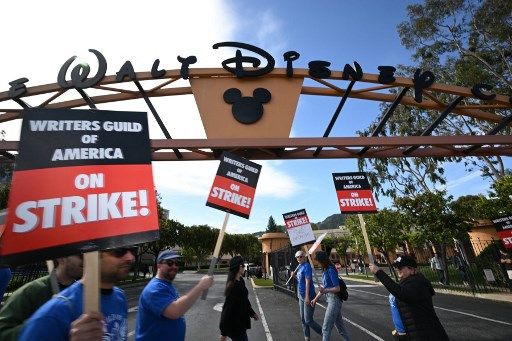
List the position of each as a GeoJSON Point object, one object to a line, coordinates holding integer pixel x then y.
{"type": "Point", "coordinates": [170, 262]}
{"type": "Point", "coordinates": [299, 256]}
{"type": "Point", "coordinates": [121, 251]}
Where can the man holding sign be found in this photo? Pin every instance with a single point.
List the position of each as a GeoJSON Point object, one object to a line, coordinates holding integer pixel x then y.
{"type": "Point", "coordinates": [161, 308]}
{"type": "Point", "coordinates": [61, 318]}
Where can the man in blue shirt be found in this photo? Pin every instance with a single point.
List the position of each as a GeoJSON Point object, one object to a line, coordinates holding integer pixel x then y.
{"type": "Point", "coordinates": [61, 317]}
{"type": "Point", "coordinates": [305, 293]}
{"type": "Point", "coordinates": [161, 309]}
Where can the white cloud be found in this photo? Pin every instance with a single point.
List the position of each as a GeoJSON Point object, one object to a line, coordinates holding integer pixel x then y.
{"type": "Point", "coordinates": [452, 184]}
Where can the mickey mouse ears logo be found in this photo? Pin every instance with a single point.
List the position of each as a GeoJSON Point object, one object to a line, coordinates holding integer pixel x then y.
{"type": "Point", "coordinates": [259, 107]}
{"type": "Point", "coordinates": [247, 110]}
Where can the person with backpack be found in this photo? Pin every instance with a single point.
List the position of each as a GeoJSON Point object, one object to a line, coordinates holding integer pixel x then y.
{"type": "Point", "coordinates": [331, 289]}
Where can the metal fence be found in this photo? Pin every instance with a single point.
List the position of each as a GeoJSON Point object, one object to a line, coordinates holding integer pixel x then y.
{"type": "Point", "coordinates": [473, 266]}
{"type": "Point", "coordinates": [283, 263]}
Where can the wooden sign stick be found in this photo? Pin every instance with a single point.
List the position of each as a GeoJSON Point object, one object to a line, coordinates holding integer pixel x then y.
{"type": "Point", "coordinates": [216, 252]}
{"type": "Point", "coordinates": [91, 281]}
{"type": "Point", "coordinates": [366, 240]}
{"type": "Point", "coordinates": [312, 265]}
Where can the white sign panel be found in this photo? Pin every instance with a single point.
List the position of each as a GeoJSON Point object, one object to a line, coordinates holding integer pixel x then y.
{"type": "Point", "coordinates": [298, 227]}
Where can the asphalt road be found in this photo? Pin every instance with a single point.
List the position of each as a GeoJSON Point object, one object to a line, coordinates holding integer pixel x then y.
{"type": "Point", "coordinates": [366, 314]}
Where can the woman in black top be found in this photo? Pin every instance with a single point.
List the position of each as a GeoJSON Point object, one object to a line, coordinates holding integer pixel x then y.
{"type": "Point", "coordinates": [414, 301]}
{"type": "Point", "coordinates": [237, 311]}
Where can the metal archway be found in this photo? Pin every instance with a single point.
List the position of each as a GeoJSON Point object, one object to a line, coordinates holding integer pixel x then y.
{"type": "Point", "coordinates": [375, 146]}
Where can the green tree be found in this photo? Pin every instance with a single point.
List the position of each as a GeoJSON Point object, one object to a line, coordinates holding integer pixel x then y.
{"type": "Point", "coordinates": [465, 43]}
{"type": "Point", "coordinates": [386, 230]}
{"type": "Point", "coordinates": [271, 225]}
{"type": "Point", "coordinates": [201, 239]}
{"type": "Point", "coordinates": [432, 220]}
{"type": "Point", "coordinates": [4, 194]}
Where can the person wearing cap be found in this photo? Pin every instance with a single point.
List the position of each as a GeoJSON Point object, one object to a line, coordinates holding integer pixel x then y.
{"type": "Point", "coordinates": [305, 293]}
{"type": "Point", "coordinates": [237, 311]}
{"type": "Point", "coordinates": [62, 317]}
{"type": "Point", "coordinates": [161, 309]}
{"type": "Point", "coordinates": [27, 299]}
{"type": "Point", "coordinates": [414, 300]}
{"type": "Point", "coordinates": [330, 288]}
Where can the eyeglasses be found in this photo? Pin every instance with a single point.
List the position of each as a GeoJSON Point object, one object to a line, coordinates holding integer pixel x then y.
{"type": "Point", "coordinates": [170, 262]}
{"type": "Point", "coordinates": [121, 251]}
{"type": "Point", "coordinates": [299, 256]}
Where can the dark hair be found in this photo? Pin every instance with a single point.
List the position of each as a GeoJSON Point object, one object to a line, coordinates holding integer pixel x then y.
{"type": "Point", "coordinates": [230, 282]}
{"type": "Point", "coordinates": [325, 263]}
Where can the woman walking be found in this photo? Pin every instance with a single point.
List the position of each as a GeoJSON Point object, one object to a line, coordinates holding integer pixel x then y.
{"type": "Point", "coordinates": [237, 311]}
{"type": "Point", "coordinates": [330, 288]}
{"type": "Point", "coordinates": [305, 292]}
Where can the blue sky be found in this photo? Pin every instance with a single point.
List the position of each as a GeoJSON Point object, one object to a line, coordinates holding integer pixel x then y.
{"type": "Point", "coordinates": [337, 31]}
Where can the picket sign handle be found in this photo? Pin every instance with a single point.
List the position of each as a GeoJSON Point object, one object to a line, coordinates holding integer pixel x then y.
{"type": "Point", "coordinates": [91, 281]}
{"type": "Point", "coordinates": [288, 281]}
{"type": "Point", "coordinates": [366, 240]}
{"type": "Point", "coordinates": [216, 252]}
{"type": "Point", "coordinates": [312, 266]}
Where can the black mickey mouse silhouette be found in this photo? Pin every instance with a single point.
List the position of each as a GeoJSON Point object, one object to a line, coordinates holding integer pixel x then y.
{"type": "Point", "coordinates": [247, 110]}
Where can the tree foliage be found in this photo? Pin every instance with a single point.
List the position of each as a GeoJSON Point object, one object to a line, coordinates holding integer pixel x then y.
{"type": "Point", "coordinates": [464, 42]}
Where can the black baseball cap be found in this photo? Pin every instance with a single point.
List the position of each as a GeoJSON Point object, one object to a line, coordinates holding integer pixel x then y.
{"type": "Point", "coordinates": [405, 261]}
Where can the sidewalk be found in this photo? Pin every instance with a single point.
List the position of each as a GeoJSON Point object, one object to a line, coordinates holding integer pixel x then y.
{"type": "Point", "coordinates": [502, 297]}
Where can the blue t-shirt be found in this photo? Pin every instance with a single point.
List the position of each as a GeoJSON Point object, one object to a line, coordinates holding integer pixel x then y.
{"type": "Point", "coordinates": [151, 323]}
{"type": "Point", "coordinates": [53, 319]}
{"type": "Point", "coordinates": [303, 273]}
{"type": "Point", "coordinates": [330, 277]}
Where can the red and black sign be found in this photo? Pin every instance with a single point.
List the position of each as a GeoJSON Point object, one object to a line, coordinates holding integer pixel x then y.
{"type": "Point", "coordinates": [82, 182]}
{"type": "Point", "coordinates": [504, 227]}
{"type": "Point", "coordinates": [234, 185]}
{"type": "Point", "coordinates": [354, 193]}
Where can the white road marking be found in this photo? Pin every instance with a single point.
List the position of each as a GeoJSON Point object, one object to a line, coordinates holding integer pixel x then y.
{"type": "Point", "coordinates": [450, 310]}
{"type": "Point", "coordinates": [376, 337]}
{"type": "Point", "coordinates": [262, 317]}
{"type": "Point", "coordinates": [361, 285]}
{"type": "Point", "coordinates": [218, 307]}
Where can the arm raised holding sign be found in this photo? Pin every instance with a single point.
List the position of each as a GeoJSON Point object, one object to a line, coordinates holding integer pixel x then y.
{"type": "Point", "coordinates": [161, 308]}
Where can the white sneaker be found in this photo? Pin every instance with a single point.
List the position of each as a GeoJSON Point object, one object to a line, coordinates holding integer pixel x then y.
{"type": "Point", "coordinates": [306, 338]}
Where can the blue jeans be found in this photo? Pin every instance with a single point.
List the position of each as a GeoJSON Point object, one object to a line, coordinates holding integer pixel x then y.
{"type": "Point", "coordinates": [306, 317]}
{"type": "Point", "coordinates": [333, 318]}
{"type": "Point", "coordinates": [5, 277]}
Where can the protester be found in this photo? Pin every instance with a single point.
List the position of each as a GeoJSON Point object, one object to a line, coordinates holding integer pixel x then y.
{"type": "Point", "coordinates": [237, 311]}
{"type": "Point", "coordinates": [414, 300]}
{"type": "Point", "coordinates": [27, 299]}
{"type": "Point", "coordinates": [62, 317]}
{"type": "Point", "coordinates": [305, 292]}
{"type": "Point", "coordinates": [5, 277]}
{"type": "Point", "coordinates": [436, 263]}
{"type": "Point", "coordinates": [330, 288]}
{"type": "Point", "coordinates": [161, 309]}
